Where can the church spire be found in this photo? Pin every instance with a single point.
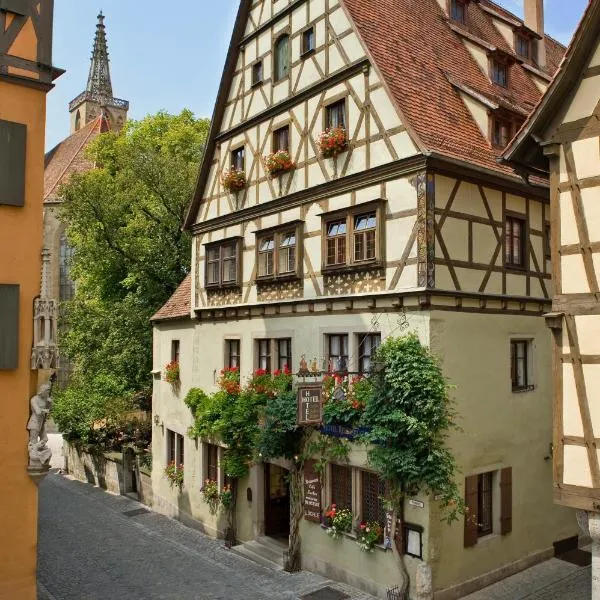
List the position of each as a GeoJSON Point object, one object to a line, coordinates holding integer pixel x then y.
{"type": "Point", "coordinates": [98, 98]}
{"type": "Point", "coordinates": [99, 78]}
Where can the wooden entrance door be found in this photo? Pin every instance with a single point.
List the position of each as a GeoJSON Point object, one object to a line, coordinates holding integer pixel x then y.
{"type": "Point", "coordinates": [277, 501]}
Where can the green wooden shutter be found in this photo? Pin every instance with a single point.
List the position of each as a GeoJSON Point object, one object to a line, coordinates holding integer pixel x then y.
{"type": "Point", "coordinates": [13, 139]}
{"type": "Point", "coordinates": [471, 515]}
{"type": "Point", "coordinates": [9, 326]}
{"type": "Point", "coordinates": [506, 500]}
{"type": "Point", "coordinates": [19, 7]}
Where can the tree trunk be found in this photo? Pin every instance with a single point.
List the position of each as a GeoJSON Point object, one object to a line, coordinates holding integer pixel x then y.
{"type": "Point", "coordinates": [231, 533]}
{"type": "Point", "coordinates": [294, 557]}
{"type": "Point", "coordinates": [404, 590]}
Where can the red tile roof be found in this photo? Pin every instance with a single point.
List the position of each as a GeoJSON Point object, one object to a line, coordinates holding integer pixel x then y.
{"type": "Point", "coordinates": [178, 305]}
{"type": "Point", "coordinates": [422, 57]}
{"type": "Point", "coordinates": [69, 157]}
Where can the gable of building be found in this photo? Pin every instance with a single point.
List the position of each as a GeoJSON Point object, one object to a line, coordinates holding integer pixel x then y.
{"type": "Point", "coordinates": [432, 74]}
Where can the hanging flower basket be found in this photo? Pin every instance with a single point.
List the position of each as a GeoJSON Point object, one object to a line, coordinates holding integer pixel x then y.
{"type": "Point", "coordinates": [332, 142]}
{"type": "Point", "coordinates": [172, 372]}
{"type": "Point", "coordinates": [233, 180]}
{"type": "Point", "coordinates": [278, 163]}
{"type": "Point", "coordinates": [338, 521]}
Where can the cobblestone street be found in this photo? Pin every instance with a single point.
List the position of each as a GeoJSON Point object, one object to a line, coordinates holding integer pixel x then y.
{"type": "Point", "coordinates": [90, 550]}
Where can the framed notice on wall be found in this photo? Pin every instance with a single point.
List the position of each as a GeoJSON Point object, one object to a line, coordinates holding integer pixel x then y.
{"type": "Point", "coordinates": [310, 404]}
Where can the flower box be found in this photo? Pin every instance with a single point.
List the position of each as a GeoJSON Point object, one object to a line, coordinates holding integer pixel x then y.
{"type": "Point", "coordinates": [172, 372]}
{"type": "Point", "coordinates": [278, 163]}
{"type": "Point", "coordinates": [332, 142]}
{"type": "Point", "coordinates": [233, 180]}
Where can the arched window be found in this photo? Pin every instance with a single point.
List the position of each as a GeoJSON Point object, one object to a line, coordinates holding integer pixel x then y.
{"type": "Point", "coordinates": [78, 121]}
{"type": "Point", "coordinates": [67, 287]}
{"type": "Point", "coordinates": [282, 57]}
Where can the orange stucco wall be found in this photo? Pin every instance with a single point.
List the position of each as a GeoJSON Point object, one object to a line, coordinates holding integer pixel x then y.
{"type": "Point", "coordinates": [20, 263]}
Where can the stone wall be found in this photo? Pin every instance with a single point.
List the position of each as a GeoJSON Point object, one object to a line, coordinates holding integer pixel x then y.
{"type": "Point", "coordinates": [102, 469]}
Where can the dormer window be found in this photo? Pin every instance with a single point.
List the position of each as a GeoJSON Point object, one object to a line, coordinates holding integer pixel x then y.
{"type": "Point", "coordinates": [523, 46]}
{"type": "Point", "coordinates": [458, 9]}
{"type": "Point", "coordinates": [499, 73]}
{"type": "Point", "coordinates": [501, 132]}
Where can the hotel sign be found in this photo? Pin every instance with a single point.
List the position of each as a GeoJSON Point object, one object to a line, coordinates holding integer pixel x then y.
{"type": "Point", "coordinates": [310, 404]}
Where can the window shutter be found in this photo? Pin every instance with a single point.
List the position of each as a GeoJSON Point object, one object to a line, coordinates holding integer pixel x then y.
{"type": "Point", "coordinates": [19, 7]}
{"type": "Point", "coordinates": [471, 515]}
{"type": "Point", "coordinates": [506, 500]}
{"type": "Point", "coordinates": [12, 163]}
{"type": "Point", "coordinates": [9, 327]}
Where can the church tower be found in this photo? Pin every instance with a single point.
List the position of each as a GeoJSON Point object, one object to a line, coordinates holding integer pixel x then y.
{"type": "Point", "coordinates": [98, 95]}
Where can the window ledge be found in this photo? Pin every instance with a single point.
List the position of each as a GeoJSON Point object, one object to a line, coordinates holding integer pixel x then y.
{"type": "Point", "coordinates": [257, 84]}
{"type": "Point", "coordinates": [522, 390]}
{"type": "Point", "coordinates": [307, 53]}
{"type": "Point", "coordinates": [277, 278]}
{"type": "Point", "coordinates": [354, 268]}
{"type": "Point", "coordinates": [353, 537]}
{"type": "Point", "coordinates": [223, 286]}
{"type": "Point", "coordinates": [487, 538]}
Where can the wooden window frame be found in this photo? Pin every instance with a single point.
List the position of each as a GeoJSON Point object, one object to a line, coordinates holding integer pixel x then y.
{"type": "Point", "coordinates": [281, 357]}
{"type": "Point", "coordinates": [361, 338]}
{"type": "Point", "coordinates": [238, 241]}
{"type": "Point", "coordinates": [305, 52]}
{"type": "Point", "coordinates": [280, 35]}
{"type": "Point", "coordinates": [501, 493]}
{"type": "Point", "coordinates": [511, 120]}
{"type": "Point", "coordinates": [524, 265]}
{"type": "Point", "coordinates": [520, 37]}
{"type": "Point", "coordinates": [234, 151]}
{"type": "Point", "coordinates": [343, 475]}
{"type": "Point", "coordinates": [13, 163]}
{"type": "Point", "coordinates": [343, 99]}
{"type": "Point", "coordinates": [485, 504]}
{"type": "Point", "coordinates": [229, 354]}
{"type": "Point", "coordinates": [259, 355]}
{"type": "Point", "coordinates": [328, 338]}
{"type": "Point", "coordinates": [175, 448]}
{"type": "Point", "coordinates": [497, 61]}
{"type": "Point", "coordinates": [278, 233]}
{"type": "Point", "coordinates": [175, 350]}
{"type": "Point", "coordinates": [527, 345]}
{"type": "Point", "coordinates": [255, 81]}
{"type": "Point", "coordinates": [463, 4]}
{"type": "Point", "coordinates": [279, 129]}
{"type": "Point", "coordinates": [211, 463]}
{"type": "Point", "coordinates": [377, 206]}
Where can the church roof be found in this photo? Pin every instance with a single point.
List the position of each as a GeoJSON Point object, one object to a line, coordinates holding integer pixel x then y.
{"type": "Point", "coordinates": [426, 66]}
{"type": "Point", "coordinates": [69, 157]}
{"type": "Point", "coordinates": [178, 305]}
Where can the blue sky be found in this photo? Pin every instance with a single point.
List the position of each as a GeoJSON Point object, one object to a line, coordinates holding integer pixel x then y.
{"type": "Point", "coordinates": [172, 59]}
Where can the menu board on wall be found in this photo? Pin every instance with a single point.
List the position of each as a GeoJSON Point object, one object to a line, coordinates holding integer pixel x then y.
{"type": "Point", "coordinates": [312, 492]}
{"type": "Point", "coordinates": [310, 404]}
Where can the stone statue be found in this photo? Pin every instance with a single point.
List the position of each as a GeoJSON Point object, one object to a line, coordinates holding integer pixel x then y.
{"type": "Point", "coordinates": [39, 453]}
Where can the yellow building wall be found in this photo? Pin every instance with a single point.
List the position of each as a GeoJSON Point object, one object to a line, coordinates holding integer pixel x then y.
{"type": "Point", "coordinates": [20, 248]}
{"type": "Point", "coordinates": [498, 429]}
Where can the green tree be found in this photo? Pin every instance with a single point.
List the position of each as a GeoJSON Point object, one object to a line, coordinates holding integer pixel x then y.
{"type": "Point", "coordinates": [408, 417]}
{"type": "Point", "coordinates": [123, 220]}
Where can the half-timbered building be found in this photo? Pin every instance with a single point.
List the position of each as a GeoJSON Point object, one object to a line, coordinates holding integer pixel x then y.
{"type": "Point", "coordinates": [406, 221]}
{"type": "Point", "coordinates": [561, 139]}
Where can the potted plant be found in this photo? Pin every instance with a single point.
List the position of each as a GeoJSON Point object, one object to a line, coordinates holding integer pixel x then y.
{"type": "Point", "coordinates": [338, 521]}
{"type": "Point", "coordinates": [174, 474]}
{"type": "Point", "coordinates": [226, 498]}
{"type": "Point", "coordinates": [279, 162]}
{"type": "Point", "coordinates": [368, 535]}
{"type": "Point", "coordinates": [332, 141]}
{"type": "Point", "coordinates": [172, 372]}
{"type": "Point", "coordinates": [233, 180]}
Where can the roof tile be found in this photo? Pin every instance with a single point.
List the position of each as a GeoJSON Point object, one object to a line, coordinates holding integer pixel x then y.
{"type": "Point", "coordinates": [178, 305]}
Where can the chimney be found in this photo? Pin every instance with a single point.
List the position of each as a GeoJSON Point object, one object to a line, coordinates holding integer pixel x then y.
{"type": "Point", "coordinates": [534, 19]}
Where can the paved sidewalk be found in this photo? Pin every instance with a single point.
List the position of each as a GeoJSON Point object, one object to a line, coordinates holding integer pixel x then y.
{"type": "Point", "coordinates": [92, 548]}
{"type": "Point", "coordinates": [550, 580]}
